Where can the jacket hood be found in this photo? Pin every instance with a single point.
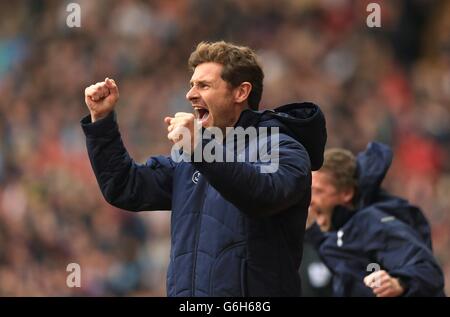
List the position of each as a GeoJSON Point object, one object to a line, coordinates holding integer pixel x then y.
{"type": "Point", "coordinates": [372, 166]}
{"type": "Point", "coordinates": [302, 121]}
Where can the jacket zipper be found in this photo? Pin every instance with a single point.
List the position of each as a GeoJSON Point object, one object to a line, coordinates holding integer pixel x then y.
{"type": "Point", "coordinates": [197, 237]}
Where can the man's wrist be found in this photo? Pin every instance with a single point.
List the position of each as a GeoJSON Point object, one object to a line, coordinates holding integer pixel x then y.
{"type": "Point", "coordinates": [106, 126]}
{"type": "Point", "coordinates": [96, 117]}
{"type": "Point", "coordinates": [402, 284]}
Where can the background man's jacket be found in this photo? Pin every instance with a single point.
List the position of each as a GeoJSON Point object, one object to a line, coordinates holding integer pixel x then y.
{"type": "Point", "coordinates": [234, 231]}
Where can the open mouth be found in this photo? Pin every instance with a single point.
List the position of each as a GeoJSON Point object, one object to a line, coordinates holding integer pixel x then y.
{"type": "Point", "coordinates": [201, 114]}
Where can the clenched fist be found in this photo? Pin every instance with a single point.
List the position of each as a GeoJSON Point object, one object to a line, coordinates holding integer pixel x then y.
{"type": "Point", "coordinates": [183, 128]}
{"type": "Point", "coordinates": [101, 98]}
{"type": "Point", "coordinates": [384, 285]}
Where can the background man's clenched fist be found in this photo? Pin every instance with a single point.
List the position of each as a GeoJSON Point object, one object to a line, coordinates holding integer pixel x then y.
{"type": "Point", "coordinates": [101, 98]}
{"type": "Point", "coordinates": [384, 285]}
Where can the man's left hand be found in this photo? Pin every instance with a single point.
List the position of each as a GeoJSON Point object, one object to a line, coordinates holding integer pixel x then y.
{"type": "Point", "coordinates": [182, 128]}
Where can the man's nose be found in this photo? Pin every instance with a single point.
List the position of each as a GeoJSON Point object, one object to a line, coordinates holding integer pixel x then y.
{"type": "Point", "coordinates": [192, 94]}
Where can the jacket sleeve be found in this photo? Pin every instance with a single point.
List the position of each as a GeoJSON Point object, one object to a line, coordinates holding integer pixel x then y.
{"type": "Point", "coordinates": [124, 183]}
{"type": "Point", "coordinates": [405, 256]}
{"type": "Point", "coordinates": [257, 193]}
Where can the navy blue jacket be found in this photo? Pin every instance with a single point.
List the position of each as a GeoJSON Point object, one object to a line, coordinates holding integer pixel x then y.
{"type": "Point", "coordinates": [384, 230]}
{"type": "Point", "coordinates": [234, 230]}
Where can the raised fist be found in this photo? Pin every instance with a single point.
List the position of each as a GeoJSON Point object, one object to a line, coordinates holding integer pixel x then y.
{"type": "Point", "coordinates": [101, 98]}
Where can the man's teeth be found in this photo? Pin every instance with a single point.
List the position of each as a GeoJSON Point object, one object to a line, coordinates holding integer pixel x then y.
{"type": "Point", "coordinates": [201, 113]}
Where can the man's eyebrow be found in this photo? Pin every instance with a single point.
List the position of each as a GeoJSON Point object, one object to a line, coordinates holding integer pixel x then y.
{"type": "Point", "coordinates": [204, 82]}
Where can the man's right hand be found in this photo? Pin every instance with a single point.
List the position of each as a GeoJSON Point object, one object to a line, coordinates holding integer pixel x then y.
{"type": "Point", "coordinates": [383, 284]}
{"type": "Point", "coordinates": [101, 98]}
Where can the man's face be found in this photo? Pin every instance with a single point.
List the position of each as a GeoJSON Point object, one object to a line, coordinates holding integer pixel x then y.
{"type": "Point", "coordinates": [212, 98]}
{"type": "Point", "coordinates": [324, 197]}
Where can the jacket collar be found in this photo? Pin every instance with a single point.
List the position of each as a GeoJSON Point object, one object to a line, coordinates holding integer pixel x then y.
{"type": "Point", "coordinates": [340, 216]}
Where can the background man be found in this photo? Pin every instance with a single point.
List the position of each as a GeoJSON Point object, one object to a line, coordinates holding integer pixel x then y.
{"type": "Point", "coordinates": [357, 224]}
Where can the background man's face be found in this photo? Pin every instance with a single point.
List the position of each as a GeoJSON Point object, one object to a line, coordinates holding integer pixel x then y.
{"type": "Point", "coordinates": [324, 197]}
{"type": "Point", "coordinates": [212, 97]}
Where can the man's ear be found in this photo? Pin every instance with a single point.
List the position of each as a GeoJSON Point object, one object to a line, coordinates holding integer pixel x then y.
{"type": "Point", "coordinates": [347, 195]}
{"type": "Point", "coordinates": [242, 92]}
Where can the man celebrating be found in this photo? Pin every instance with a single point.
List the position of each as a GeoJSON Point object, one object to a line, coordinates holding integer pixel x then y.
{"type": "Point", "coordinates": [235, 230]}
{"type": "Point", "coordinates": [360, 229]}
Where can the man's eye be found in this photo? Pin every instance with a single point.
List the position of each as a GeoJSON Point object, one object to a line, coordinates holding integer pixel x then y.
{"type": "Point", "coordinates": [317, 191]}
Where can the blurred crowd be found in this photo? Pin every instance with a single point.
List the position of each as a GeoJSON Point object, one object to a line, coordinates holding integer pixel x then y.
{"type": "Point", "coordinates": [390, 84]}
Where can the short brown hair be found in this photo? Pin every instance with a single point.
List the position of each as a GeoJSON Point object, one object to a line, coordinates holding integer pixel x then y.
{"type": "Point", "coordinates": [341, 164]}
{"type": "Point", "coordinates": [239, 64]}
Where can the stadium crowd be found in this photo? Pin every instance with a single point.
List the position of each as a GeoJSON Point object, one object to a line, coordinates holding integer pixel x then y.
{"type": "Point", "coordinates": [390, 84]}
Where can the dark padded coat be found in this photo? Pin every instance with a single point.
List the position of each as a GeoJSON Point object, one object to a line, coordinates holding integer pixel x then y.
{"type": "Point", "coordinates": [234, 230]}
